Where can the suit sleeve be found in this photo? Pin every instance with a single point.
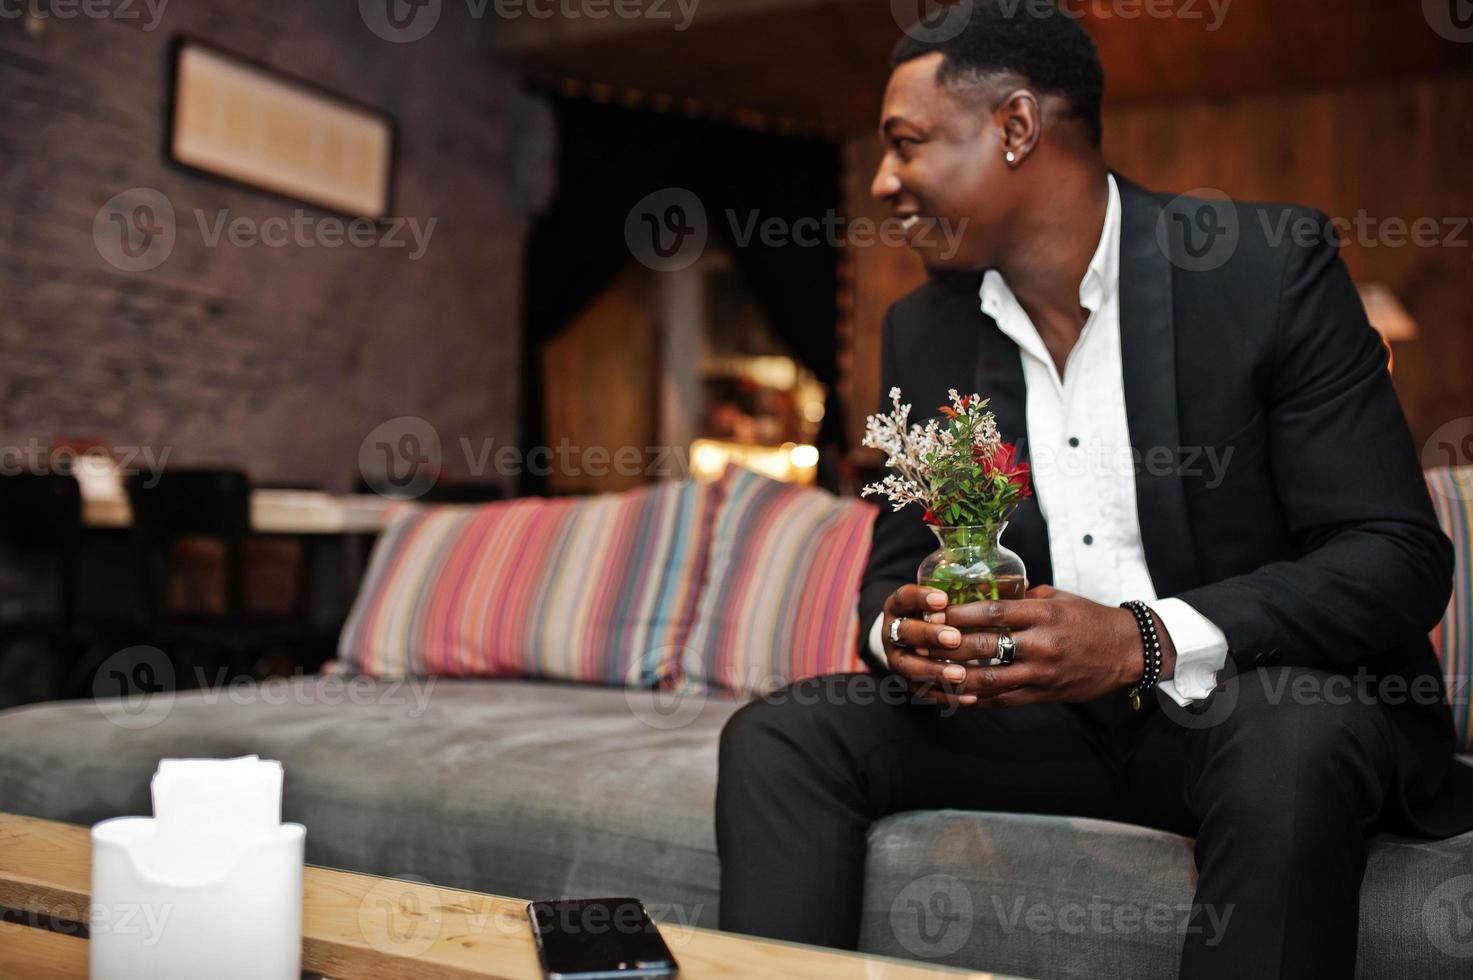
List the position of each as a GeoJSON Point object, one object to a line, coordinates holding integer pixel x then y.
{"type": "Point", "coordinates": [899, 539]}
{"type": "Point", "coordinates": [1375, 569]}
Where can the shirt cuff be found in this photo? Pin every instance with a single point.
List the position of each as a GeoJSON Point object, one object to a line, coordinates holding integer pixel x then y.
{"type": "Point", "coordinates": [1201, 651]}
{"type": "Point", "coordinates": [875, 649]}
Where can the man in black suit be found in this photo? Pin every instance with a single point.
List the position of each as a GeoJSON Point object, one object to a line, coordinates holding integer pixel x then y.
{"type": "Point", "coordinates": [1271, 516]}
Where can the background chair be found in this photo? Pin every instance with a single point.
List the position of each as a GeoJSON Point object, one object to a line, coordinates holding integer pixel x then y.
{"type": "Point", "coordinates": [168, 507]}
{"type": "Point", "coordinates": [209, 505]}
{"type": "Point", "coordinates": [41, 519]}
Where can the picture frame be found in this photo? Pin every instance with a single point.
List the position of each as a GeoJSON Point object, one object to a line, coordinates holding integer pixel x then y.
{"type": "Point", "coordinates": [232, 118]}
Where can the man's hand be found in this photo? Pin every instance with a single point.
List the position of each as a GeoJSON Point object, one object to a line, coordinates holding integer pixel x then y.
{"type": "Point", "coordinates": [923, 628]}
{"type": "Point", "coordinates": [1068, 648]}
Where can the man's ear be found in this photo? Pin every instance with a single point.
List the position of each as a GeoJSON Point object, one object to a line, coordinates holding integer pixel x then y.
{"type": "Point", "coordinates": [1020, 117]}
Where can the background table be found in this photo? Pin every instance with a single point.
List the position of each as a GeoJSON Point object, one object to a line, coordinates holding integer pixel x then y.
{"type": "Point", "coordinates": [272, 511]}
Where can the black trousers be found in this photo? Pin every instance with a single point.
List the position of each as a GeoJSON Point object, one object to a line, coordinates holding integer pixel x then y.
{"type": "Point", "coordinates": [1279, 778]}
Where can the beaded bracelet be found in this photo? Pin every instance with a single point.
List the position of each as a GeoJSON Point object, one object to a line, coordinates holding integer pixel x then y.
{"type": "Point", "coordinates": [1151, 649]}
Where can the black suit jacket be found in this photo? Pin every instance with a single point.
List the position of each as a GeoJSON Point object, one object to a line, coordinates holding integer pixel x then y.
{"type": "Point", "coordinates": [1317, 544]}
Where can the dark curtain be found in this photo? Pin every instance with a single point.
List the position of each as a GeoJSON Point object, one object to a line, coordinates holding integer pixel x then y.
{"type": "Point", "coordinates": [609, 157]}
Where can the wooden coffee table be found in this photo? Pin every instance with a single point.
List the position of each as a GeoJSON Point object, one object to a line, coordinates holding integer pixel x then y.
{"type": "Point", "coordinates": [357, 925]}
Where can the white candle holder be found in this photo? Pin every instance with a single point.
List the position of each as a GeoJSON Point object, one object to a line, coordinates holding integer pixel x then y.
{"type": "Point", "coordinates": [229, 910]}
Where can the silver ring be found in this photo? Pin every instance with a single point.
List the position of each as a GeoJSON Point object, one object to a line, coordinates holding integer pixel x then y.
{"type": "Point", "coordinates": [1007, 647]}
{"type": "Point", "coordinates": [895, 631]}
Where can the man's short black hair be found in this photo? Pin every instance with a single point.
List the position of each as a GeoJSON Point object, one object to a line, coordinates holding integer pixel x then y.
{"type": "Point", "coordinates": [1031, 38]}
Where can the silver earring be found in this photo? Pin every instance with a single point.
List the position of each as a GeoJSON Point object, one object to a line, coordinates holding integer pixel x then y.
{"type": "Point", "coordinates": [1012, 157]}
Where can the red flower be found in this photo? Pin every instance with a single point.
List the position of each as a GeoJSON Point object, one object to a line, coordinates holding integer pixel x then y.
{"type": "Point", "coordinates": [1022, 479]}
{"type": "Point", "coordinates": [1005, 461]}
{"type": "Point", "coordinates": [931, 518]}
{"type": "Point", "coordinates": [1000, 461]}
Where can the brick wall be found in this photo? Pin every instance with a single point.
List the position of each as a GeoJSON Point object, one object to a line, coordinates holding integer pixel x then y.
{"type": "Point", "coordinates": [279, 359]}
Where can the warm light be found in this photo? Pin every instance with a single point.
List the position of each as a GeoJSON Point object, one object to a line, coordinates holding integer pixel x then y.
{"type": "Point", "coordinates": [97, 474]}
{"type": "Point", "coordinates": [1386, 313]}
{"type": "Point", "coordinates": [707, 459]}
{"type": "Point", "coordinates": [804, 457]}
{"type": "Point", "coordinates": [769, 371]}
{"type": "Point", "coordinates": [1388, 316]}
{"type": "Point", "coordinates": [791, 462]}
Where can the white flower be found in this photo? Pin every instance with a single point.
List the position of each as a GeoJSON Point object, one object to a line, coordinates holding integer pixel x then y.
{"type": "Point", "coordinates": [911, 450]}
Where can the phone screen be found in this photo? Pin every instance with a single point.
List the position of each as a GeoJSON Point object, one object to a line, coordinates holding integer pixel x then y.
{"type": "Point", "coordinates": [598, 937]}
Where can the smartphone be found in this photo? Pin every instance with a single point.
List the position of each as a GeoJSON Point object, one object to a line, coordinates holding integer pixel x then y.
{"type": "Point", "coordinates": [598, 938]}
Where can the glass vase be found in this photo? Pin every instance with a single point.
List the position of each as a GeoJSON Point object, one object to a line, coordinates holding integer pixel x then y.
{"type": "Point", "coordinates": [972, 565]}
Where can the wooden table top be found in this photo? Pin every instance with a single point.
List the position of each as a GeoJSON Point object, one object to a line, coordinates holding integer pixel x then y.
{"type": "Point", "coordinates": [380, 928]}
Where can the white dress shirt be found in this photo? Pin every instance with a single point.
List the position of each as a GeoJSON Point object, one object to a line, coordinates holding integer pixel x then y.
{"type": "Point", "coordinates": [1083, 468]}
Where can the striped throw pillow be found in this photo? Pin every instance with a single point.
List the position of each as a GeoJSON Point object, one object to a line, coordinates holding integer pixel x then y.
{"type": "Point", "coordinates": [1452, 496]}
{"type": "Point", "coordinates": [600, 589]}
{"type": "Point", "coordinates": [782, 588]}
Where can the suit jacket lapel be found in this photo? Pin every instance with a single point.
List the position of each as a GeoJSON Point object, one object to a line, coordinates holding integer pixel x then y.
{"type": "Point", "coordinates": [1148, 360]}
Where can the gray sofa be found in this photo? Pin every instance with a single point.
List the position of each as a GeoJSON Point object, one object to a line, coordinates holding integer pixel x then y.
{"type": "Point", "coordinates": [538, 790]}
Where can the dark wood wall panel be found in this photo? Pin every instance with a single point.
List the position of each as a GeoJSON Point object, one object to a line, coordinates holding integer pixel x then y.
{"type": "Point", "coordinates": [1397, 152]}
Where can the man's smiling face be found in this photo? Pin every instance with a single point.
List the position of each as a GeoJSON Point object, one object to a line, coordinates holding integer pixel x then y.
{"type": "Point", "coordinates": [943, 169]}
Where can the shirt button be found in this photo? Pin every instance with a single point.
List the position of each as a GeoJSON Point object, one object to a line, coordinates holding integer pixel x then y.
{"type": "Point", "coordinates": [1074, 442]}
{"type": "Point", "coordinates": [1089, 539]}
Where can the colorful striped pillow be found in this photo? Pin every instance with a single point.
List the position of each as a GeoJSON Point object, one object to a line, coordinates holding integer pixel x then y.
{"type": "Point", "coordinates": [600, 589]}
{"type": "Point", "coordinates": [781, 594]}
{"type": "Point", "coordinates": [1452, 496]}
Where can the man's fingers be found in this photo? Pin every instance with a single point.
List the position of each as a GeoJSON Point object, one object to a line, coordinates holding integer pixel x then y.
{"type": "Point", "coordinates": [921, 635]}
{"type": "Point", "coordinates": [983, 682]}
{"type": "Point", "coordinates": [914, 600]}
{"type": "Point", "coordinates": [1012, 613]}
{"type": "Point", "coordinates": [1036, 645]}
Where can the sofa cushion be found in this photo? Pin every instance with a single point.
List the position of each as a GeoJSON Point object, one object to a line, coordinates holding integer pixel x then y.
{"type": "Point", "coordinates": [782, 586]}
{"type": "Point", "coordinates": [1059, 897]}
{"type": "Point", "coordinates": [597, 589]}
{"type": "Point", "coordinates": [530, 789]}
{"type": "Point", "coordinates": [1452, 497]}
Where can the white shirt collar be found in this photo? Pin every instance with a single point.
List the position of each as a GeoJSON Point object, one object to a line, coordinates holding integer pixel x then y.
{"type": "Point", "coordinates": [1101, 279]}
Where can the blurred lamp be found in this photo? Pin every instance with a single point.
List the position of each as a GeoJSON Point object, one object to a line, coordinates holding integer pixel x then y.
{"type": "Point", "coordinates": [790, 462]}
{"type": "Point", "coordinates": [1388, 316]}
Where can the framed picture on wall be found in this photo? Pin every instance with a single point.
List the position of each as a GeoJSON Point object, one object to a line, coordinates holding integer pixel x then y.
{"type": "Point", "coordinates": [235, 119]}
